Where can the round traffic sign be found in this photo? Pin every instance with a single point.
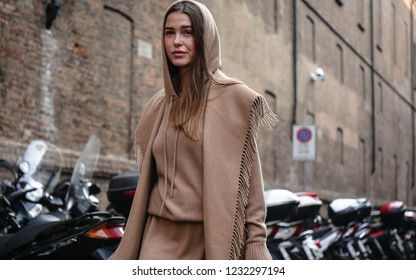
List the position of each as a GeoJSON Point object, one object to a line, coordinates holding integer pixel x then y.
{"type": "Point", "coordinates": [304, 135]}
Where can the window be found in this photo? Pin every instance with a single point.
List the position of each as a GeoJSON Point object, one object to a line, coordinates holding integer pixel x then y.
{"type": "Point", "coordinates": [310, 118]}
{"type": "Point", "coordinates": [380, 162]}
{"type": "Point", "coordinates": [414, 65]}
{"type": "Point", "coordinates": [272, 100]}
{"type": "Point", "coordinates": [340, 145]}
{"type": "Point", "coordinates": [393, 33]}
{"type": "Point", "coordinates": [379, 19]}
{"type": "Point", "coordinates": [396, 176]}
{"type": "Point", "coordinates": [406, 55]}
{"type": "Point", "coordinates": [340, 66]}
{"type": "Point", "coordinates": [408, 181]}
{"type": "Point", "coordinates": [361, 16]}
{"type": "Point", "coordinates": [362, 165]}
{"type": "Point", "coordinates": [276, 9]}
{"type": "Point", "coordinates": [380, 97]}
{"type": "Point", "coordinates": [362, 82]}
{"type": "Point", "coordinates": [310, 41]}
{"type": "Point", "coordinates": [269, 9]}
{"type": "Point", "coordinates": [340, 2]}
{"type": "Point", "coordinates": [271, 154]}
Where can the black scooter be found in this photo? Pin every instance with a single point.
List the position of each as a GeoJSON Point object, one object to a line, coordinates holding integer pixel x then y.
{"type": "Point", "coordinates": [79, 232]}
{"type": "Point", "coordinates": [90, 236]}
{"type": "Point", "coordinates": [24, 188]}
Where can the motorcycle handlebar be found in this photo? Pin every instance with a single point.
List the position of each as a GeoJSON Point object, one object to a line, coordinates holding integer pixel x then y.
{"type": "Point", "coordinates": [19, 194]}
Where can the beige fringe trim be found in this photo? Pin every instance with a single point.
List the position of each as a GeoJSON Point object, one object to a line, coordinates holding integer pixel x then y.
{"type": "Point", "coordinates": [260, 114]}
{"type": "Point", "coordinates": [138, 152]}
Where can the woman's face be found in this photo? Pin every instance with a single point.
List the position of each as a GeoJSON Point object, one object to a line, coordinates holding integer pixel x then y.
{"type": "Point", "coordinates": [179, 39]}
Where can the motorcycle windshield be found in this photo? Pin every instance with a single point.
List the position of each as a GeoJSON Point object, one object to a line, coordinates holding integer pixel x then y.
{"type": "Point", "coordinates": [85, 166]}
{"type": "Point", "coordinates": [45, 163]}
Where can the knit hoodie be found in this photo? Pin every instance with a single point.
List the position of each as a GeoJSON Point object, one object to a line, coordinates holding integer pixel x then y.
{"type": "Point", "coordinates": [233, 198]}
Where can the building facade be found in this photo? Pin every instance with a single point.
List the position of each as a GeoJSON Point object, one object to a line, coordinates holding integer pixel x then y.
{"type": "Point", "coordinates": [72, 68]}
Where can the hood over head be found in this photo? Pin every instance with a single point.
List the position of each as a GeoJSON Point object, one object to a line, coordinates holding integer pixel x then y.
{"type": "Point", "coordinates": [212, 47]}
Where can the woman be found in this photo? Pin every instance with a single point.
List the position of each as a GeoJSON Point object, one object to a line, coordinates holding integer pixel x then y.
{"type": "Point", "coordinates": [200, 193]}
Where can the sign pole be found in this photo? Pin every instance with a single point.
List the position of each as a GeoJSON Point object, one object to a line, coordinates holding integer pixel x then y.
{"type": "Point", "coordinates": [304, 175]}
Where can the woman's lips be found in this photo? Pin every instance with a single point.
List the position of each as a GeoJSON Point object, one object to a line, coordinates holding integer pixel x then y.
{"type": "Point", "coordinates": [178, 53]}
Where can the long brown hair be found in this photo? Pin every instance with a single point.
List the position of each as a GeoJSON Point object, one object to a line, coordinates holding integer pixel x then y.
{"type": "Point", "coordinates": [190, 83]}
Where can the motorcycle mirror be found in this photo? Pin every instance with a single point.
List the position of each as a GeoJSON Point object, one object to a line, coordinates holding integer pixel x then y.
{"type": "Point", "coordinates": [94, 189]}
{"type": "Point", "coordinates": [24, 167]}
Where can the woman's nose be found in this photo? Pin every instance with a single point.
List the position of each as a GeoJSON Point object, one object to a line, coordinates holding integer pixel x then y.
{"type": "Point", "coordinates": [177, 40]}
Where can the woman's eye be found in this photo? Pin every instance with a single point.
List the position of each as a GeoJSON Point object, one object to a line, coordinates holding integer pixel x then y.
{"type": "Point", "coordinates": [168, 32]}
{"type": "Point", "coordinates": [188, 32]}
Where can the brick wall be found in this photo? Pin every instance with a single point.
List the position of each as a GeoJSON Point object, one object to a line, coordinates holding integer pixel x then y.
{"type": "Point", "coordinates": [94, 70]}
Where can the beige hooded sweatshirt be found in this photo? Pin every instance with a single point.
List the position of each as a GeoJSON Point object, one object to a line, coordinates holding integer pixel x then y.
{"type": "Point", "coordinates": [233, 207]}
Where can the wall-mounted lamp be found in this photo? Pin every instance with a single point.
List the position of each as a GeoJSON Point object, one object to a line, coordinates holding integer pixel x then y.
{"type": "Point", "coordinates": [51, 12]}
{"type": "Point", "coordinates": [318, 75]}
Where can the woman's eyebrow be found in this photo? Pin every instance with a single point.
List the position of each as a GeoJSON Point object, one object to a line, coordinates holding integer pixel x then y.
{"type": "Point", "coordinates": [182, 27]}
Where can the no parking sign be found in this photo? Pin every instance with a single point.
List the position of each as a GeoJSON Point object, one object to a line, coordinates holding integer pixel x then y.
{"type": "Point", "coordinates": [304, 142]}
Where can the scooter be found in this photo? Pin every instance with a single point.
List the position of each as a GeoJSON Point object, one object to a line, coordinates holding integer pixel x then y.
{"type": "Point", "coordinates": [90, 236]}
{"type": "Point", "coordinates": [24, 188]}
{"type": "Point", "coordinates": [291, 218]}
{"type": "Point", "coordinates": [9, 220]}
{"type": "Point", "coordinates": [392, 232]}
{"type": "Point", "coordinates": [83, 233]}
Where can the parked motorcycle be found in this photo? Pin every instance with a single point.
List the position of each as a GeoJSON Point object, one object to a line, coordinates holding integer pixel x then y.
{"type": "Point", "coordinates": [9, 221]}
{"type": "Point", "coordinates": [81, 232]}
{"type": "Point", "coordinates": [396, 231]}
{"type": "Point", "coordinates": [354, 230]}
{"type": "Point", "coordinates": [291, 219]}
{"type": "Point", "coordinates": [24, 189]}
{"type": "Point", "coordinates": [349, 218]}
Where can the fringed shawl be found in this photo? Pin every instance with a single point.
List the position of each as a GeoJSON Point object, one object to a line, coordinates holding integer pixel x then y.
{"type": "Point", "coordinates": [260, 114]}
{"type": "Point", "coordinates": [233, 116]}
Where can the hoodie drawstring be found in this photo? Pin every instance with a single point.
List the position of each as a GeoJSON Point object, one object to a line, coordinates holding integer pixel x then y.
{"type": "Point", "coordinates": [174, 162]}
{"type": "Point", "coordinates": [165, 156]}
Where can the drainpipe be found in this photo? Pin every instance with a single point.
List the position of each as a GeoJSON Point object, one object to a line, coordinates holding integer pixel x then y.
{"type": "Point", "coordinates": [373, 109]}
{"type": "Point", "coordinates": [412, 73]}
{"type": "Point", "coordinates": [294, 63]}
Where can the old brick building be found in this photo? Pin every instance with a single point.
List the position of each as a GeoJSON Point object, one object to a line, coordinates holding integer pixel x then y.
{"type": "Point", "coordinates": [95, 67]}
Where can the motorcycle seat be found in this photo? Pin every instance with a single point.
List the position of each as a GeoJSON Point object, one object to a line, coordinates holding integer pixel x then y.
{"type": "Point", "coordinates": [24, 236]}
{"type": "Point", "coordinates": [44, 218]}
